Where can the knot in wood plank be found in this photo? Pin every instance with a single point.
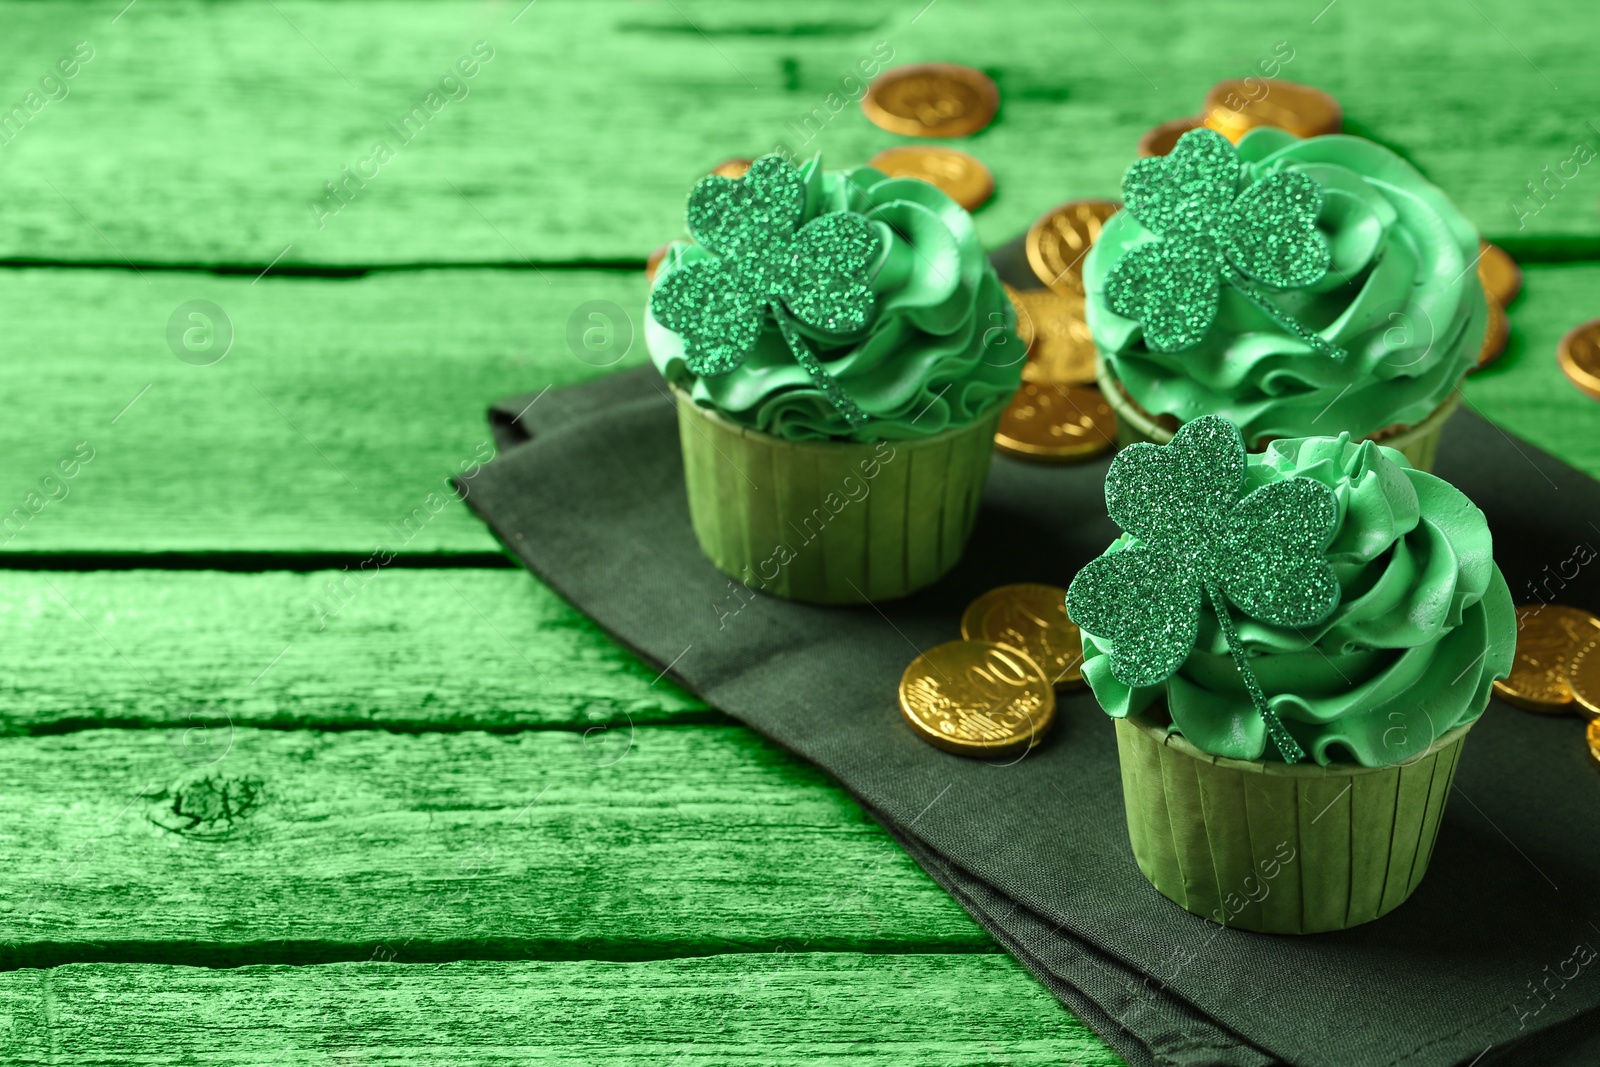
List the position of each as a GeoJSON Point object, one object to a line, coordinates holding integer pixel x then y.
{"type": "Point", "coordinates": [211, 805]}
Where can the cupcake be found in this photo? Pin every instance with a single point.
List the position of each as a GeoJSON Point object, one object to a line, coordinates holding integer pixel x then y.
{"type": "Point", "coordinates": [1295, 287]}
{"type": "Point", "coordinates": [840, 350]}
{"type": "Point", "coordinates": [1293, 645]}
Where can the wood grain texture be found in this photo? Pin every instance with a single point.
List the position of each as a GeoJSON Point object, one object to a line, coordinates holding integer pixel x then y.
{"type": "Point", "coordinates": [779, 1008]}
{"type": "Point", "coordinates": [403, 650]}
{"type": "Point", "coordinates": [333, 424]}
{"type": "Point", "coordinates": [266, 846]}
{"type": "Point", "coordinates": [216, 125]}
{"type": "Point", "coordinates": [1524, 391]}
{"type": "Point", "coordinates": [345, 404]}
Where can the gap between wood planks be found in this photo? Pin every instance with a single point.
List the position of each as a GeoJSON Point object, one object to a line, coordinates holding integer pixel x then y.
{"type": "Point", "coordinates": [342, 271]}
{"type": "Point", "coordinates": [73, 725]}
{"type": "Point", "coordinates": [45, 954]}
{"type": "Point", "coordinates": [248, 562]}
{"type": "Point", "coordinates": [1526, 251]}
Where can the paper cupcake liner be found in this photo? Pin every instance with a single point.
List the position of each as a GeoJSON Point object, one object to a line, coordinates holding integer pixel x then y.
{"type": "Point", "coordinates": [1419, 443]}
{"type": "Point", "coordinates": [832, 522]}
{"type": "Point", "coordinates": [1280, 848]}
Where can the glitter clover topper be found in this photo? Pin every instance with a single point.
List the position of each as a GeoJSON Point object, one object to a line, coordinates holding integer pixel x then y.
{"type": "Point", "coordinates": [765, 263]}
{"type": "Point", "coordinates": [1264, 238]}
{"type": "Point", "coordinates": [1195, 538]}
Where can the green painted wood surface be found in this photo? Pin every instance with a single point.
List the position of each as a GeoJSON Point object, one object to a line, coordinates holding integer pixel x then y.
{"type": "Point", "coordinates": [216, 125]}
{"type": "Point", "coordinates": [332, 425]}
{"type": "Point", "coordinates": [405, 650]}
{"type": "Point", "coordinates": [199, 134]}
{"type": "Point", "coordinates": [780, 1008]}
{"type": "Point", "coordinates": [242, 845]}
{"type": "Point", "coordinates": [345, 404]}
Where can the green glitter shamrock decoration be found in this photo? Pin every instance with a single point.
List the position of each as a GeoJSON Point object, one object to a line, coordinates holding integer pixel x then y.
{"type": "Point", "coordinates": [1196, 539]}
{"type": "Point", "coordinates": [1212, 233]}
{"type": "Point", "coordinates": [766, 263]}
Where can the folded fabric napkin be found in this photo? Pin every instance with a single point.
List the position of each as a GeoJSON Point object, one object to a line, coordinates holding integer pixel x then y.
{"type": "Point", "coordinates": [588, 493]}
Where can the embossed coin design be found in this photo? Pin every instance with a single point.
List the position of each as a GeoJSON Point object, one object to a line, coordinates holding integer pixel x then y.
{"type": "Point", "coordinates": [1548, 635]}
{"type": "Point", "coordinates": [1593, 735]}
{"type": "Point", "coordinates": [1162, 139]}
{"type": "Point", "coordinates": [1583, 674]}
{"type": "Point", "coordinates": [1235, 106]}
{"type": "Point", "coordinates": [1056, 424]}
{"type": "Point", "coordinates": [1495, 336]}
{"type": "Point", "coordinates": [1060, 238]}
{"type": "Point", "coordinates": [931, 100]}
{"type": "Point", "coordinates": [1025, 328]}
{"type": "Point", "coordinates": [1063, 349]}
{"type": "Point", "coordinates": [958, 175]}
{"type": "Point", "coordinates": [1033, 619]}
{"type": "Point", "coordinates": [1499, 273]}
{"type": "Point", "coordinates": [1579, 356]}
{"type": "Point", "coordinates": [977, 698]}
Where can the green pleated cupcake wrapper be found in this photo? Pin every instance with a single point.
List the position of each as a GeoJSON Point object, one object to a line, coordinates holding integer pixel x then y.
{"type": "Point", "coordinates": [832, 522]}
{"type": "Point", "coordinates": [1419, 443]}
{"type": "Point", "coordinates": [1277, 848]}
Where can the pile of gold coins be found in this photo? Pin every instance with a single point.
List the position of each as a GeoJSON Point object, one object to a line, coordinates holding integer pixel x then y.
{"type": "Point", "coordinates": [1236, 106]}
{"type": "Point", "coordinates": [1058, 415]}
{"type": "Point", "coordinates": [1557, 666]}
{"type": "Point", "coordinates": [992, 693]}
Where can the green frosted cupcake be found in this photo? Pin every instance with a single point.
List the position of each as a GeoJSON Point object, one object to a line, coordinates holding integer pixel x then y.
{"type": "Point", "coordinates": [840, 349]}
{"type": "Point", "coordinates": [1343, 297]}
{"type": "Point", "coordinates": [1293, 647]}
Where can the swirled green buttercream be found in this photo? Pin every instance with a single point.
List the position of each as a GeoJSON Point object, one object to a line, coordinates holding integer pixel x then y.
{"type": "Point", "coordinates": [940, 349]}
{"type": "Point", "coordinates": [1402, 299]}
{"type": "Point", "coordinates": [1423, 627]}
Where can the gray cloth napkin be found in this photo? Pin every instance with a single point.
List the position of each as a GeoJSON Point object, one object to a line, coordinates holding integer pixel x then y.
{"type": "Point", "coordinates": [588, 493]}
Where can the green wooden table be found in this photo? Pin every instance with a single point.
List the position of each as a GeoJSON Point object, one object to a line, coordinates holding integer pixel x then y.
{"type": "Point", "coordinates": [297, 769]}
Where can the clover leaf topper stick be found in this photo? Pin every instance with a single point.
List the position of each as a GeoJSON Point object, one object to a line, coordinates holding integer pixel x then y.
{"type": "Point", "coordinates": [765, 262]}
{"type": "Point", "coordinates": [1209, 233]}
{"type": "Point", "coordinates": [1188, 535]}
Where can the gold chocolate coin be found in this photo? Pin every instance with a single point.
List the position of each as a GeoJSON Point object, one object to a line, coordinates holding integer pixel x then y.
{"type": "Point", "coordinates": [1056, 424]}
{"type": "Point", "coordinates": [1062, 352]}
{"type": "Point", "coordinates": [732, 168]}
{"type": "Point", "coordinates": [1033, 619]}
{"type": "Point", "coordinates": [1548, 635]}
{"type": "Point", "coordinates": [653, 264]}
{"type": "Point", "coordinates": [1060, 238]}
{"type": "Point", "coordinates": [1583, 675]}
{"type": "Point", "coordinates": [1593, 734]}
{"type": "Point", "coordinates": [1499, 273]}
{"type": "Point", "coordinates": [931, 100]}
{"type": "Point", "coordinates": [977, 698]}
{"type": "Point", "coordinates": [1494, 337]}
{"type": "Point", "coordinates": [1162, 139]}
{"type": "Point", "coordinates": [958, 175]}
{"type": "Point", "coordinates": [1025, 329]}
{"type": "Point", "coordinates": [1236, 106]}
{"type": "Point", "coordinates": [1579, 356]}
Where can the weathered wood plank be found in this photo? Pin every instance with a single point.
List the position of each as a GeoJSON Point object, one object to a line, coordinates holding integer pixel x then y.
{"type": "Point", "coordinates": [403, 650]}
{"type": "Point", "coordinates": [363, 380]}
{"type": "Point", "coordinates": [1525, 391]}
{"type": "Point", "coordinates": [216, 126]}
{"type": "Point", "coordinates": [267, 846]}
{"type": "Point", "coordinates": [334, 422]}
{"type": "Point", "coordinates": [777, 1008]}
